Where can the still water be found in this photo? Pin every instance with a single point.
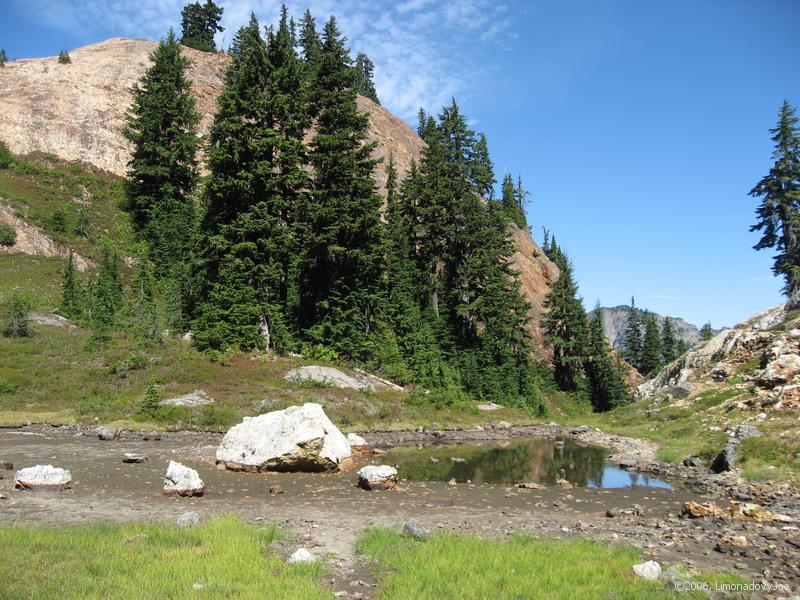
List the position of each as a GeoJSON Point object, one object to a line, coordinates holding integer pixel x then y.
{"type": "Point", "coordinates": [526, 460]}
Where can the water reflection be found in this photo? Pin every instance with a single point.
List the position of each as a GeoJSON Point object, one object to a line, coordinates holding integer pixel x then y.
{"type": "Point", "coordinates": [530, 460]}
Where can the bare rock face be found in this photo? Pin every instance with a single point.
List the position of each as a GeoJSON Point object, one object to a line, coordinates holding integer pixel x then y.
{"type": "Point", "coordinates": [182, 481]}
{"type": "Point", "coordinates": [44, 478]}
{"type": "Point", "coordinates": [77, 112]}
{"type": "Point", "coordinates": [196, 398]}
{"type": "Point", "coordinates": [335, 378]}
{"type": "Point", "coordinates": [381, 477]}
{"type": "Point", "coordinates": [298, 438]}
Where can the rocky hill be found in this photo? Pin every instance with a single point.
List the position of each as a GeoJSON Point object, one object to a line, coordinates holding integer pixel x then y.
{"type": "Point", "coordinates": [615, 321]}
{"type": "Point", "coordinates": [77, 112]}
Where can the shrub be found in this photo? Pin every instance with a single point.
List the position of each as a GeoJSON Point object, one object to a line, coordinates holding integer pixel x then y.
{"type": "Point", "coordinates": [63, 58]}
{"type": "Point", "coordinates": [151, 401]}
{"type": "Point", "coordinates": [18, 321]}
{"type": "Point", "coordinates": [8, 235]}
{"type": "Point", "coordinates": [6, 387]}
{"type": "Point", "coordinates": [6, 158]}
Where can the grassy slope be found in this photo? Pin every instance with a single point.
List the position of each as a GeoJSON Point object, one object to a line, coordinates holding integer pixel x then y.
{"type": "Point", "coordinates": [222, 558]}
{"type": "Point", "coordinates": [465, 567]}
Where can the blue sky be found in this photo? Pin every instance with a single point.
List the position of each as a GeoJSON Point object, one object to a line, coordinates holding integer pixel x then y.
{"type": "Point", "coordinates": [639, 127]}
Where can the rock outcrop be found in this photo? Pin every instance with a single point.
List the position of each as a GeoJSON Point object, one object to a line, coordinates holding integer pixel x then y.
{"type": "Point", "coordinates": [329, 376]}
{"type": "Point", "coordinates": [77, 112]}
{"type": "Point", "coordinates": [42, 478]}
{"type": "Point", "coordinates": [615, 322]}
{"type": "Point", "coordinates": [299, 438]}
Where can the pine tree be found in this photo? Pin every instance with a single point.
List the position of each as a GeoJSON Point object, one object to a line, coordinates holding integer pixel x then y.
{"type": "Point", "coordinates": [163, 171]}
{"type": "Point", "coordinates": [363, 71]}
{"type": "Point", "coordinates": [199, 24]}
{"type": "Point", "coordinates": [255, 158]}
{"type": "Point", "coordinates": [142, 310]}
{"type": "Point", "coordinates": [683, 347]}
{"type": "Point", "coordinates": [669, 344]}
{"type": "Point", "coordinates": [607, 387]}
{"type": "Point", "coordinates": [151, 400]}
{"type": "Point", "coordinates": [73, 300]}
{"type": "Point", "coordinates": [311, 45]}
{"type": "Point", "coordinates": [565, 328]}
{"type": "Point", "coordinates": [482, 169]}
{"type": "Point", "coordinates": [422, 122]}
{"type": "Point", "coordinates": [651, 345]}
{"type": "Point", "coordinates": [63, 57]}
{"type": "Point", "coordinates": [706, 332]}
{"type": "Point", "coordinates": [779, 211]}
{"type": "Point", "coordinates": [633, 347]}
{"type": "Point", "coordinates": [512, 206]}
{"type": "Point", "coordinates": [18, 322]}
{"type": "Point", "coordinates": [3, 58]}
{"type": "Point", "coordinates": [522, 196]}
{"type": "Point", "coordinates": [341, 243]}
{"type": "Point", "coordinates": [106, 294]}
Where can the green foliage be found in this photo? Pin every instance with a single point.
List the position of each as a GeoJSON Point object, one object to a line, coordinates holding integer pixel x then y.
{"type": "Point", "coordinates": [6, 158]}
{"type": "Point", "coordinates": [163, 171]}
{"type": "Point", "coordinates": [634, 340]}
{"type": "Point", "coordinates": [320, 352]}
{"type": "Point", "coordinates": [363, 70]}
{"type": "Point", "coordinates": [151, 400]}
{"type": "Point", "coordinates": [81, 228]}
{"type": "Point", "coordinates": [669, 344]}
{"type": "Point", "coordinates": [106, 294]}
{"type": "Point", "coordinates": [652, 351]}
{"type": "Point", "coordinates": [3, 58]}
{"type": "Point", "coordinates": [706, 332]}
{"type": "Point", "coordinates": [18, 323]}
{"type": "Point", "coordinates": [779, 211]}
{"type": "Point", "coordinates": [7, 387]}
{"type": "Point", "coordinates": [73, 293]}
{"type": "Point", "coordinates": [199, 25]}
{"type": "Point", "coordinates": [513, 202]}
{"type": "Point", "coordinates": [8, 234]}
{"type": "Point", "coordinates": [607, 387]}
{"type": "Point", "coordinates": [59, 219]}
{"type": "Point", "coordinates": [63, 58]}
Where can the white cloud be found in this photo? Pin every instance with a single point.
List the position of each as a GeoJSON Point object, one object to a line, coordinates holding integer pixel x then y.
{"type": "Point", "coordinates": [425, 52]}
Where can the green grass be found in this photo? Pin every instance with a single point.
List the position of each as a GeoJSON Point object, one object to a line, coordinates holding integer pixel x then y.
{"type": "Point", "coordinates": [226, 556]}
{"type": "Point", "coordinates": [37, 276]}
{"type": "Point", "coordinates": [472, 568]}
{"type": "Point", "coordinates": [764, 458]}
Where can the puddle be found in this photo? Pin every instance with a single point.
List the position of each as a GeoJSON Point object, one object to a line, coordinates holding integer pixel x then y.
{"type": "Point", "coordinates": [531, 460]}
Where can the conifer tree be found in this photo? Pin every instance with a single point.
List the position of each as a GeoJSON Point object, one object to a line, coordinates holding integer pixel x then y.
{"type": "Point", "coordinates": [255, 159]}
{"type": "Point", "coordinates": [3, 58]}
{"type": "Point", "coordinates": [633, 346]}
{"type": "Point", "coordinates": [73, 301]}
{"type": "Point", "coordinates": [669, 344]}
{"type": "Point", "coordinates": [522, 195]}
{"type": "Point", "coordinates": [779, 210]}
{"type": "Point", "coordinates": [18, 322]}
{"type": "Point", "coordinates": [151, 400]}
{"type": "Point", "coordinates": [106, 294]}
{"type": "Point", "coordinates": [565, 329]}
{"type": "Point", "coordinates": [683, 347]}
{"type": "Point", "coordinates": [607, 387]}
{"type": "Point", "coordinates": [63, 57]}
{"type": "Point", "coordinates": [363, 71]}
{"type": "Point", "coordinates": [341, 243]}
{"type": "Point", "coordinates": [651, 345]}
{"type": "Point", "coordinates": [706, 332]}
{"type": "Point", "coordinates": [199, 24]}
{"type": "Point", "coordinates": [311, 45]}
{"type": "Point", "coordinates": [163, 171]}
{"type": "Point", "coordinates": [422, 122]}
{"type": "Point", "coordinates": [482, 169]}
{"type": "Point", "coordinates": [512, 206]}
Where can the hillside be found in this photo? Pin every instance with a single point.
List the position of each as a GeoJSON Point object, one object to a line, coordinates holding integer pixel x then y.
{"type": "Point", "coordinates": [615, 321]}
{"type": "Point", "coordinates": [77, 112]}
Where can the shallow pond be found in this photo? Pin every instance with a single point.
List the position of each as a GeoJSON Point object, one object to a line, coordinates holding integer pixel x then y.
{"type": "Point", "coordinates": [525, 460]}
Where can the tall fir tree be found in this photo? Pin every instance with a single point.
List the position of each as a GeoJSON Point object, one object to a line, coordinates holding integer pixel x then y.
{"type": "Point", "coordinates": [607, 387]}
{"type": "Point", "coordinates": [73, 300]}
{"type": "Point", "coordinates": [511, 201]}
{"type": "Point", "coordinates": [106, 294]}
{"type": "Point", "coordinates": [3, 58]}
{"type": "Point", "coordinates": [311, 47]}
{"type": "Point", "coordinates": [482, 169]}
{"type": "Point", "coordinates": [632, 348]}
{"type": "Point", "coordinates": [706, 332]}
{"type": "Point", "coordinates": [341, 259]}
{"type": "Point", "coordinates": [651, 345]}
{"type": "Point", "coordinates": [779, 210]}
{"type": "Point", "coordinates": [363, 72]}
{"type": "Point", "coordinates": [199, 24]}
{"type": "Point", "coordinates": [163, 171]}
{"type": "Point", "coordinates": [669, 343]}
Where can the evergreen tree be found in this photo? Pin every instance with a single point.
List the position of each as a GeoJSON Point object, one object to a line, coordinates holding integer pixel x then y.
{"type": "Point", "coordinates": [706, 332]}
{"type": "Point", "coordinates": [73, 300]}
{"type": "Point", "coordinates": [683, 347]}
{"type": "Point", "coordinates": [779, 211]}
{"type": "Point", "coordinates": [151, 400]}
{"type": "Point", "coordinates": [565, 328]}
{"type": "Point", "coordinates": [522, 196]}
{"type": "Point", "coordinates": [512, 205]}
{"type": "Point", "coordinates": [256, 155]}
{"type": "Point", "coordinates": [199, 24]}
{"type": "Point", "coordinates": [633, 347]}
{"type": "Point", "coordinates": [311, 45]}
{"type": "Point", "coordinates": [607, 387]}
{"type": "Point", "coordinates": [669, 344]}
{"type": "Point", "coordinates": [163, 168]}
{"type": "Point", "coordinates": [142, 311]}
{"type": "Point", "coordinates": [651, 346]}
{"type": "Point", "coordinates": [363, 71]}
{"type": "Point", "coordinates": [3, 58]}
{"type": "Point", "coordinates": [63, 58]}
{"type": "Point", "coordinates": [341, 244]}
{"type": "Point", "coordinates": [18, 322]}
{"type": "Point", "coordinates": [482, 169]}
{"type": "Point", "coordinates": [106, 294]}
{"type": "Point", "coordinates": [422, 122]}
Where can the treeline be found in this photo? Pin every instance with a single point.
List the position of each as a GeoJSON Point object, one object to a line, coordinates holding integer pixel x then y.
{"type": "Point", "coordinates": [283, 246]}
{"type": "Point", "coordinates": [583, 361]}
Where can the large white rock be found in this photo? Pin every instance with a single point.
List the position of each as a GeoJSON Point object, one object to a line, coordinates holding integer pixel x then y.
{"type": "Point", "coordinates": [298, 438]}
{"type": "Point", "coordinates": [649, 570]}
{"type": "Point", "coordinates": [326, 376]}
{"type": "Point", "coordinates": [182, 481]}
{"type": "Point", "coordinates": [359, 445]}
{"type": "Point", "coordinates": [42, 478]}
{"type": "Point", "coordinates": [374, 477]}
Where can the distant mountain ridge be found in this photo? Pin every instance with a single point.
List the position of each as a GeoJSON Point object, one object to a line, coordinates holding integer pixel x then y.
{"type": "Point", "coordinates": [615, 322]}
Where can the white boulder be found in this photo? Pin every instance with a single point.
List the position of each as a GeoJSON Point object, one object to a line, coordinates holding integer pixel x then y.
{"type": "Point", "coordinates": [182, 481]}
{"type": "Point", "coordinates": [301, 555]}
{"type": "Point", "coordinates": [649, 570]}
{"type": "Point", "coordinates": [196, 398]}
{"type": "Point", "coordinates": [298, 438]}
{"type": "Point", "coordinates": [327, 376]}
{"type": "Point", "coordinates": [359, 445]}
{"type": "Point", "coordinates": [381, 477]}
{"type": "Point", "coordinates": [42, 478]}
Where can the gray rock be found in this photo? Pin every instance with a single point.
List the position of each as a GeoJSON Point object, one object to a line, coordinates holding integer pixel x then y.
{"type": "Point", "coordinates": [299, 438]}
{"type": "Point", "coordinates": [327, 376]}
{"type": "Point", "coordinates": [744, 432]}
{"type": "Point", "coordinates": [3, 496]}
{"type": "Point", "coordinates": [6, 466]}
{"type": "Point", "coordinates": [42, 478]}
{"type": "Point", "coordinates": [107, 433]}
{"type": "Point", "coordinates": [196, 398]}
{"type": "Point", "coordinates": [693, 461]}
{"type": "Point", "coordinates": [131, 458]}
{"type": "Point", "coordinates": [612, 513]}
{"type": "Point", "coordinates": [649, 570]}
{"type": "Point", "coordinates": [726, 459]}
{"type": "Point", "coordinates": [415, 530]}
{"type": "Point", "coordinates": [381, 477]}
{"type": "Point", "coordinates": [187, 519]}
{"type": "Point", "coordinates": [682, 390]}
{"type": "Point", "coordinates": [182, 481]}
{"type": "Point", "coordinates": [580, 429]}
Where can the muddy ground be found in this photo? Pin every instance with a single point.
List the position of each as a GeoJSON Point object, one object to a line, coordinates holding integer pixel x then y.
{"type": "Point", "coordinates": [327, 512]}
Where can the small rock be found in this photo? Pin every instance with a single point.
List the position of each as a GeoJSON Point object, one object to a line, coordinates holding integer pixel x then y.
{"type": "Point", "coordinates": [503, 425]}
{"type": "Point", "coordinates": [491, 406]}
{"type": "Point", "coordinates": [187, 519]}
{"type": "Point", "coordinates": [530, 485]}
{"type": "Point", "coordinates": [452, 482]}
{"type": "Point", "coordinates": [761, 417]}
{"type": "Point", "coordinates": [182, 481]}
{"type": "Point", "coordinates": [415, 530]}
{"type": "Point", "coordinates": [580, 429]}
{"type": "Point", "coordinates": [301, 555]}
{"type": "Point", "coordinates": [152, 436]}
{"type": "Point", "coordinates": [42, 478]}
{"type": "Point", "coordinates": [649, 570]}
{"type": "Point", "coordinates": [6, 466]}
{"type": "Point", "coordinates": [3, 496]}
{"type": "Point", "coordinates": [739, 541]}
{"type": "Point", "coordinates": [107, 433]}
{"type": "Point", "coordinates": [276, 489]}
{"type": "Point", "coordinates": [197, 586]}
{"type": "Point", "coordinates": [133, 458]}
{"type": "Point", "coordinates": [381, 477]}
{"type": "Point", "coordinates": [433, 460]}
{"type": "Point", "coordinates": [358, 444]}
{"type": "Point", "coordinates": [726, 459]}
{"type": "Point", "coordinates": [612, 513]}
{"type": "Point", "coordinates": [455, 459]}
{"type": "Point", "coordinates": [692, 461]}
{"type": "Point", "coordinates": [744, 432]}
